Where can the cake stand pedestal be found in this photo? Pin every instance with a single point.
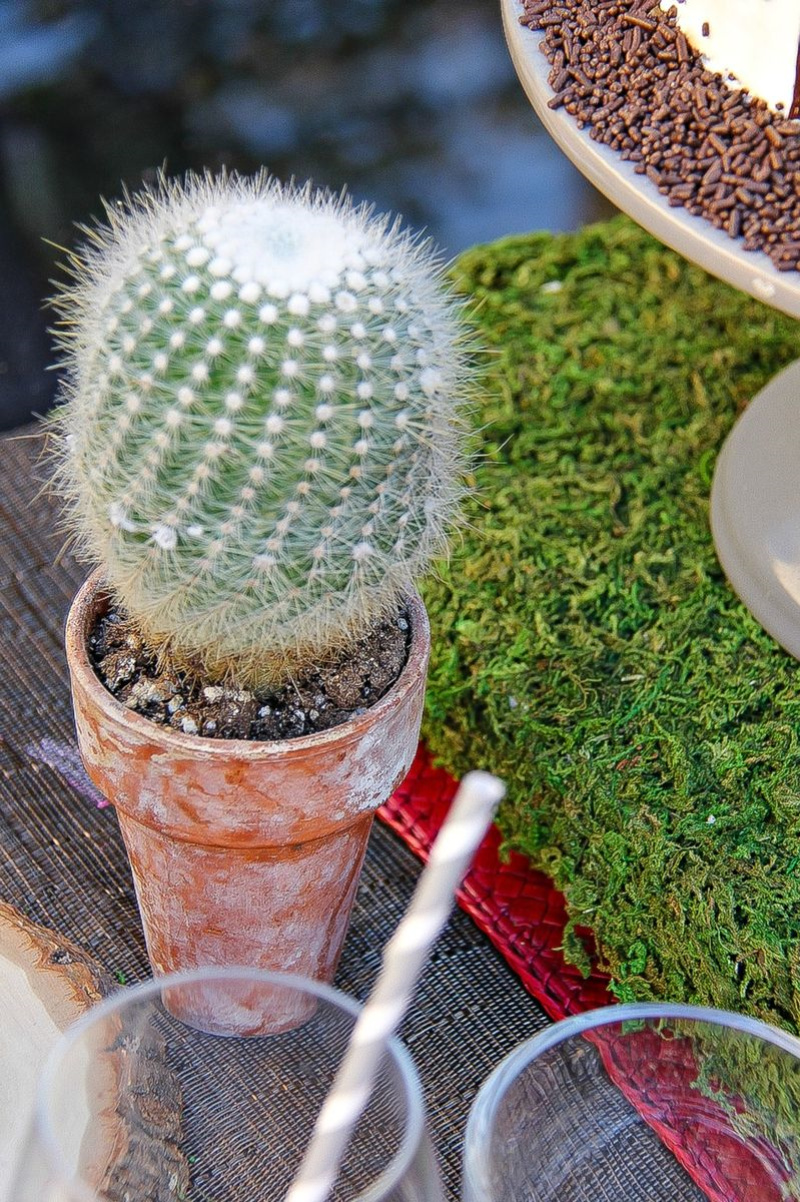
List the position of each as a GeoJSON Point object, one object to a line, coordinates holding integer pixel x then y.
{"type": "Point", "coordinates": [755, 495]}
{"type": "Point", "coordinates": [755, 508]}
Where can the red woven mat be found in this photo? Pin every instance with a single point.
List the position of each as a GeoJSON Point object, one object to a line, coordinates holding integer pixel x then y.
{"type": "Point", "coordinates": [657, 1076]}
{"type": "Point", "coordinates": [524, 916]}
{"type": "Point", "coordinates": [518, 908]}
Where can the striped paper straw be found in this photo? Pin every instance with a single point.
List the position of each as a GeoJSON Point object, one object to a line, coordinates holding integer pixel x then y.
{"type": "Point", "coordinates": [403, 960]}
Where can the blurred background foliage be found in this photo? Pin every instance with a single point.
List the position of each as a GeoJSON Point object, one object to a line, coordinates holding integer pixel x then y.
{"type": "Point", "coordinates": [413, 104]}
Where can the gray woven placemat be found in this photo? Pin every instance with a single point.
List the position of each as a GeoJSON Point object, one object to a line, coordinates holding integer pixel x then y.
{"type": "Point", "coordinates": [62, 862]}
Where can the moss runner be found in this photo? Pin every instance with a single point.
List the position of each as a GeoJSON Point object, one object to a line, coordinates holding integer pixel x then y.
{"type": "Point", "coordinates": [587, 648]}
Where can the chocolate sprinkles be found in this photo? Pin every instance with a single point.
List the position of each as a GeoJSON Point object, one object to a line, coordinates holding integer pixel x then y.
{"type": "Point", "coordinates": [629, 76]}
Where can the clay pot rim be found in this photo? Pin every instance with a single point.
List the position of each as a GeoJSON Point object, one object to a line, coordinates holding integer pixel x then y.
{"type": "Point", "coordinates": [82, 612]}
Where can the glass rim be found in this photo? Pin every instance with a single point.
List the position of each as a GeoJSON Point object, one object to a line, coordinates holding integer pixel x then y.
{"type": "Point", "coordinates": [414, 1126]}
{"type": "Point", "coordinates": [489, 1096]}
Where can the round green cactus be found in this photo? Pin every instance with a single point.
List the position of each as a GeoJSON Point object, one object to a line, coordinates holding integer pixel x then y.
{"type": "Point", "coordinates": [260, 439]}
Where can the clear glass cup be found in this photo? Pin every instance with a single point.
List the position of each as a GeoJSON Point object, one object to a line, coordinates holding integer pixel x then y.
{"type": "Point", "coordinates": [640, 1103]}
{"type": "Point", "coordinates": [157, 1094]}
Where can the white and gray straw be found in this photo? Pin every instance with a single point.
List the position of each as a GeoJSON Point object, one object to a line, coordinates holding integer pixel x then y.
{"type": "Point", "coordinates": [403, 960]}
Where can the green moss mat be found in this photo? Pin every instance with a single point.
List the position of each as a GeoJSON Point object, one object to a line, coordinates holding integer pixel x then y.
{"type": "Point", "coordinates": [586, 645]}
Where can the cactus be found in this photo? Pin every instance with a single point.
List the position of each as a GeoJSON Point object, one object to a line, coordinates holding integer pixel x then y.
{"type": "Point", "coordinates": [260, 438]}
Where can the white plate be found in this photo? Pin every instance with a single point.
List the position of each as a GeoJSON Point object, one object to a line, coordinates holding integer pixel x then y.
{"type": "Point", "coordinates": [45, 985]}
{"type": "Point", "coordinates": [124, 1109]}
{"type": "Point", "coordinates": [693, 237]}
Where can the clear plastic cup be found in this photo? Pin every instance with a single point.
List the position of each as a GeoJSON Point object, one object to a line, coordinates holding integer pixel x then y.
{"type": "Point", "coordinates": [136, 1104]}
{"type": "Point", "coordinates": [640, 1103]}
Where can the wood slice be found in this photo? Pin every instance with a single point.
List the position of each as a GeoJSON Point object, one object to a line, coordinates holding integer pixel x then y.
{"type": "Point", "coordinates": [46, 983]}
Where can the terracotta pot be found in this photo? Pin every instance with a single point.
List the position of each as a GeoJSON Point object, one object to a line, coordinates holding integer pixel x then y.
{"type": "Point", "coordinates": [244, 852]}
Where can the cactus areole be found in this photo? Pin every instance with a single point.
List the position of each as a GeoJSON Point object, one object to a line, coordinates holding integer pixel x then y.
{"type": "Point", "coordinates": [260, 440]}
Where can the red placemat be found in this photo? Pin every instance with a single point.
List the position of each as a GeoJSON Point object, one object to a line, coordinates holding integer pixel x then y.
{"type": "Point", "coordinates": [524, 916]}
{"type": "Point", "coordinates": [519, 909]}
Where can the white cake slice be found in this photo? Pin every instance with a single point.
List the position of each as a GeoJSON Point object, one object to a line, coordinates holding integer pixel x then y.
{"type": "Point", "coordinates": [753, 44]}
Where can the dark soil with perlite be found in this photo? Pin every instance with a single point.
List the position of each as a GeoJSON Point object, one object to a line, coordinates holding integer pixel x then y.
{"type": "Point", "coordinates": [629, 76]}
{"type": "Point", "coordinates": [317, 699]}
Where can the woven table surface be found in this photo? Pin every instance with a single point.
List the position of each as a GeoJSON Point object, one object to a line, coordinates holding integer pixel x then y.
{"type": "Point", "coordinates": [63, 865]}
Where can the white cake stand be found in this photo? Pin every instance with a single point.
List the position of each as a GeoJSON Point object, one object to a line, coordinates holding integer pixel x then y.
{"type": "Point", "coordinates": [755, 495]}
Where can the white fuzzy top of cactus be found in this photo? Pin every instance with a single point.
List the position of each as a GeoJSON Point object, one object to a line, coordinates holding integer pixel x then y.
{"type": "Point", "coordinates": [261, 441]}
{"type": "Point", "coordinates": [281, 246]}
